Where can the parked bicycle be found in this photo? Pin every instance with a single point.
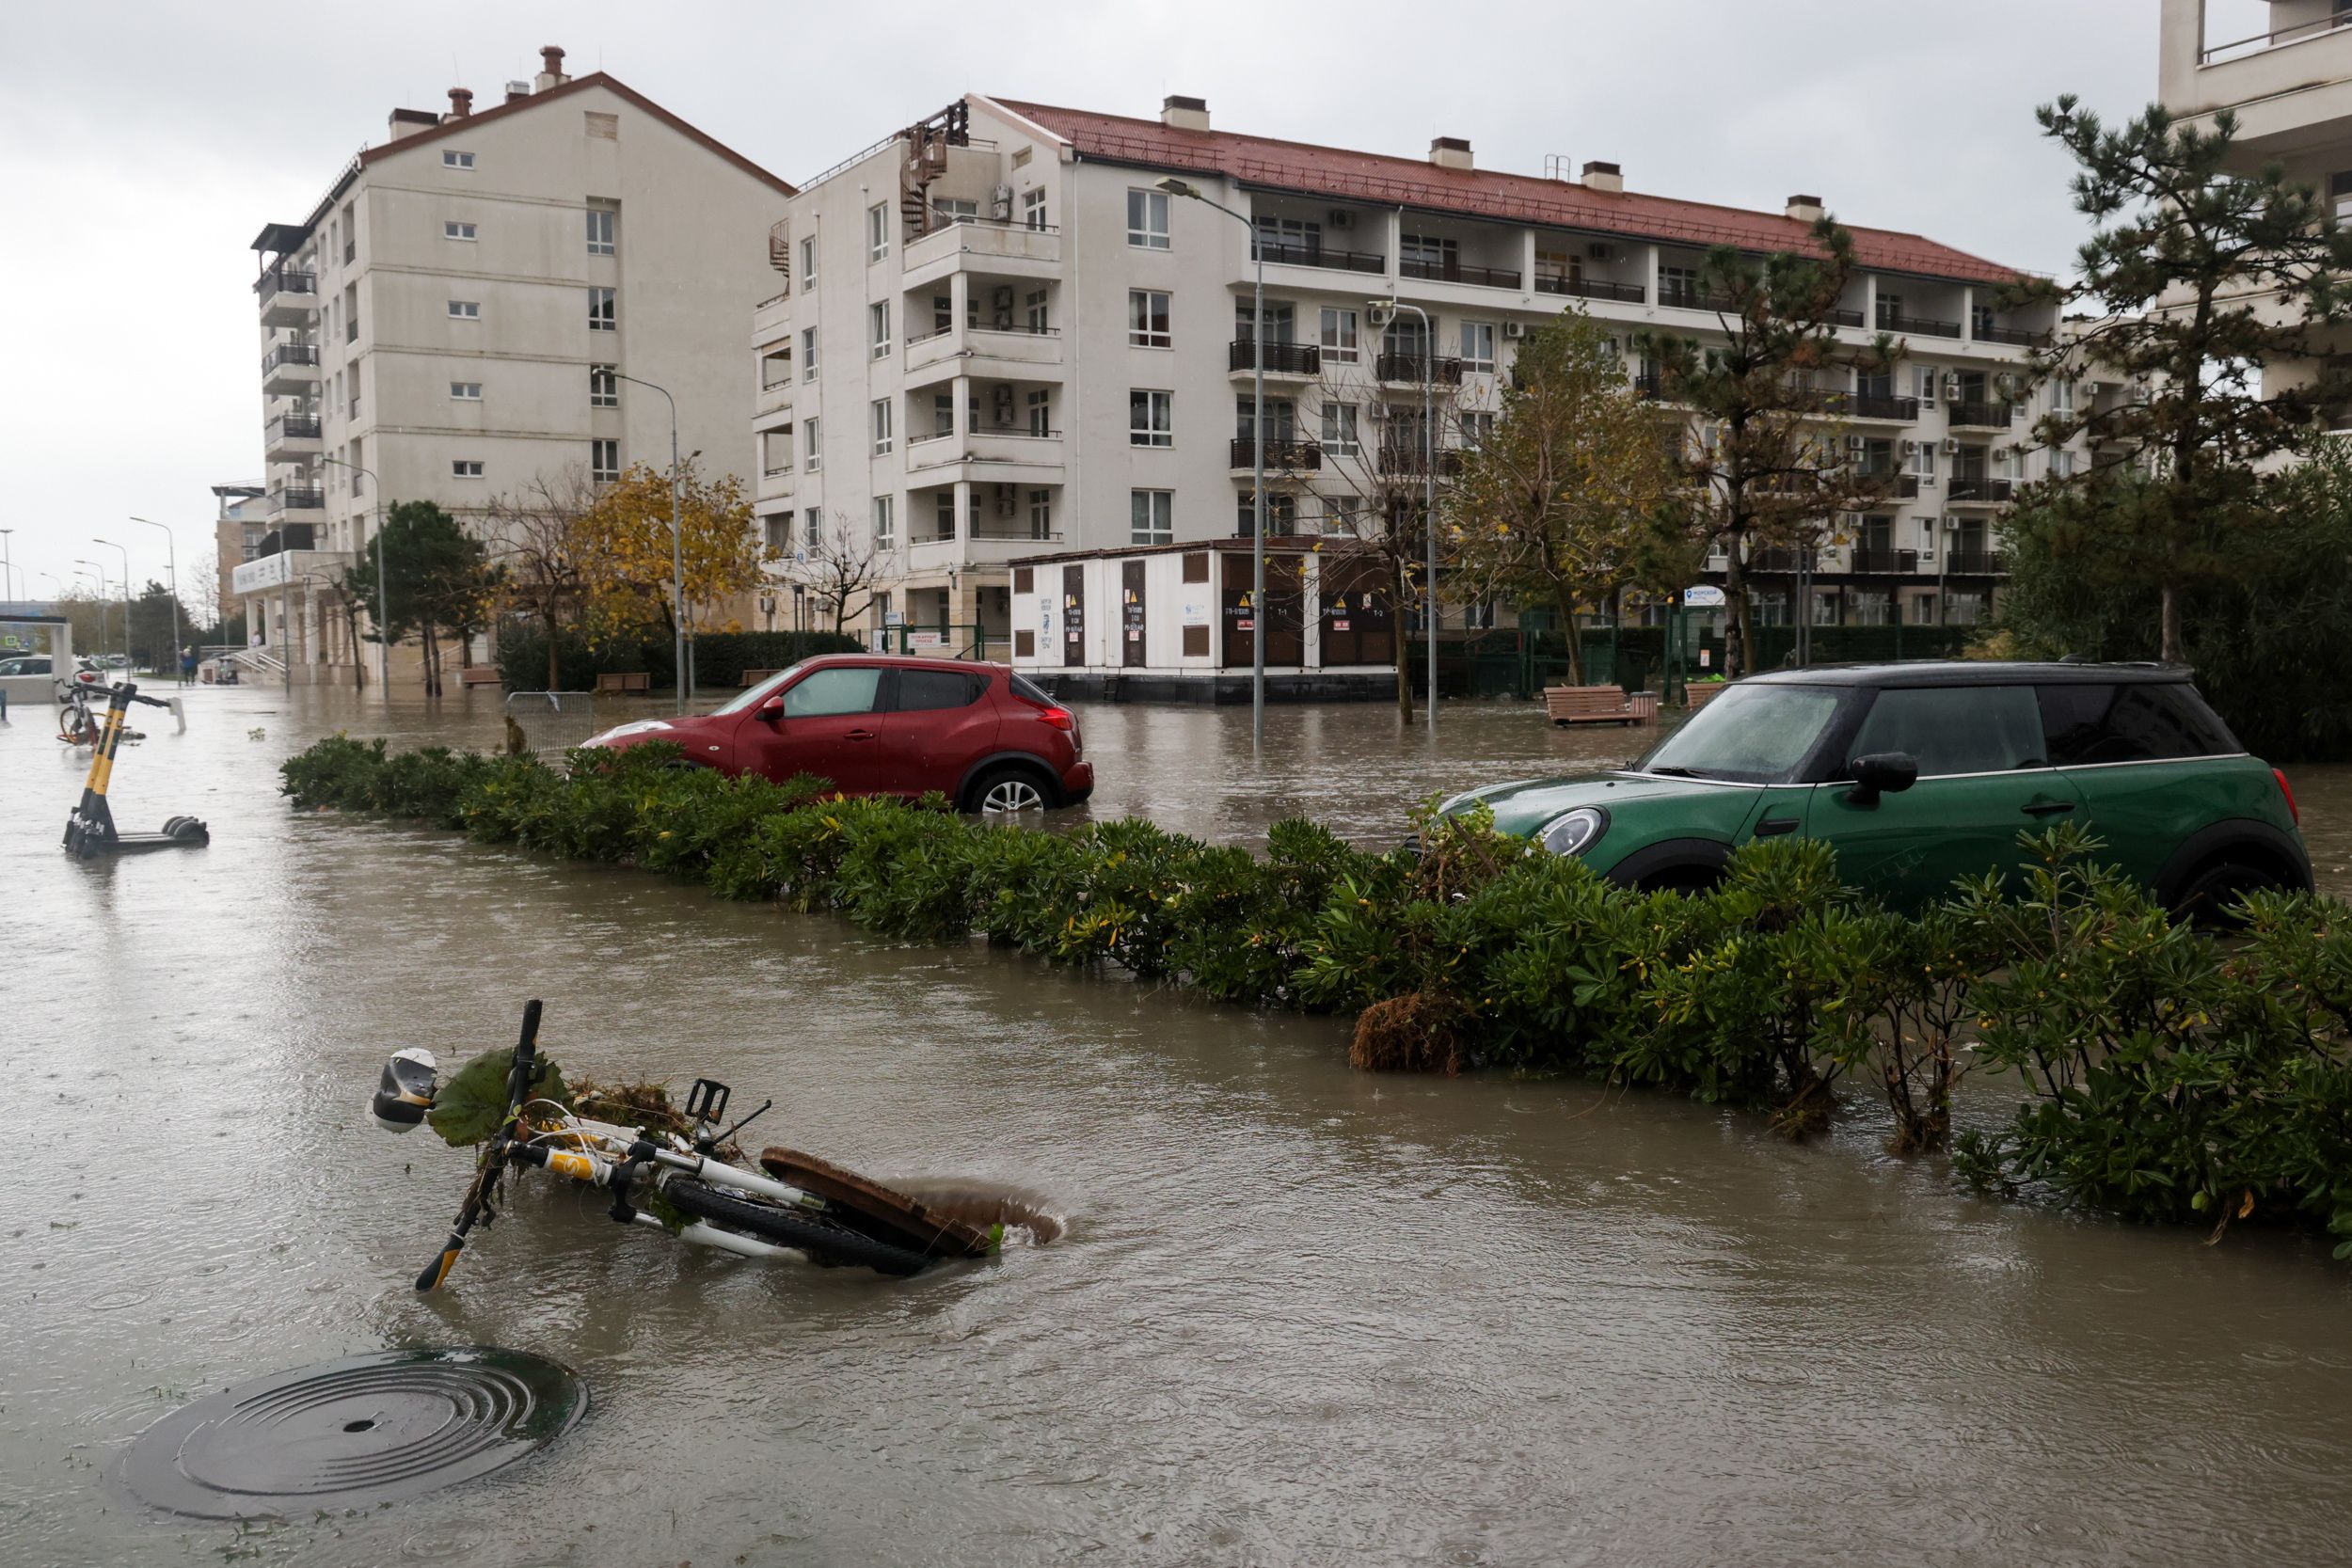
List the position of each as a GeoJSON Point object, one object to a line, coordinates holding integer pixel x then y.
{"type": "Point", "coordinates": [675, 1182]}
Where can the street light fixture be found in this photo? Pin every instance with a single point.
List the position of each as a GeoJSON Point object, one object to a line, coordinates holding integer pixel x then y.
{"type": "Point", "coordinates": [679, 678]}
{"type": "Point", "coordinates": [97, 572]}
{"type": "Point", "coordinates": [1257, 454]}
{"type": "Point", "coordinates": [172, 557]}
{"type": "Point", "coordinates": [382, 600]}
{"type": "Point", "coordinates": [126, 595]}
{"type": "Point", "coordinates": [1429, 474]}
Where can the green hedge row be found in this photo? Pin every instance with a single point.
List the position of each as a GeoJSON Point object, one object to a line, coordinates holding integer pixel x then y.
{"type": "Point", "coordinates": [720, 658]}
{"type": "Point", "coordinates": [2164, 1076]}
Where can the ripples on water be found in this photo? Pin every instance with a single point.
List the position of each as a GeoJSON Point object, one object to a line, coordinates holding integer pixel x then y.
{"type": "Point", "coordinates": [1301, 1315]}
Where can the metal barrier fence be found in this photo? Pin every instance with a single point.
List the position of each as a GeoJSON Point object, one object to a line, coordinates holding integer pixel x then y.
{"type": "Point", "coordinates": [551, 721]}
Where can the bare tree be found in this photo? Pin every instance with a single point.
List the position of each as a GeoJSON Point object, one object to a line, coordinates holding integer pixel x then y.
{"type": "Point", "coordinates": [840, 569]}
{"type": "Point", "coordinates": [537, 534]}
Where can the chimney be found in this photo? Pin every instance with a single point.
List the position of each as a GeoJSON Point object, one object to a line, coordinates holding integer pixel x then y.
{"type": "Point", "coordinates": [1184, 114]}
{"type": "Point", "coordinates": [1806, 209]}
{"type": "Point", "coordinates": [1603, 177]}
{"type": "Point", "coordinates": [550, 68]}
{"type": "Point", "coordinates": [1449, 152]}
{"type": "Point", "coordinates": [517, 90]}
{"type": "Point", "coordinates": [460, 105]}
{"type": "Point", "coordinates": [408, 122]}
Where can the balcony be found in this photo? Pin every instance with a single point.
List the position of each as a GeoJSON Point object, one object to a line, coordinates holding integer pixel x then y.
{"type": "Point", "coordinates": [2021, 337]}
{"type": "Point", "coordinates": [1918, 326]}
{"type": "Point", "coordinates": [290, 437]}
{"type": "Point", "coordinates": [1414, 369]}
{"type": "Point", "coordinates": [1682, 298]}
{"type": "Point", "coordinates": [992, 543]}
{"type": "Point", "coordinates": [771, 320]}
{"type": "Point", "coordinates": [1864, 561]}
{"type": "Point", "coordinates": [288, 298]}
{"type": "Point", "coordinates": [296, 497]}
{"type": "Point", "coordinates": [1900, 486]}
{"type": "Point", "coordinates": [1008, 455]}
{"type": "Point", "coordinates": [1977, 414]}
{"type": "Point", "coordinates": [1842, 317]}
{"type": "Point", "coordinates": [1296, 360]}
{"type": "Point", "coordinates": [1291, 456]}
{"type": "Point", "coordinates": [295, 563]}
{"type": "Point", "coordinates": [992, 246]}
{"type": "Point", "coordinates": [290, 368]}
{"type": "Point", "coordinates": [1871, 405]}
{"type": "Point", "coordinates": [1014, 354]}
{"type": "Point", "coordinates": [1593, 288]}
{"type": "Point", "coordinates": [1453, 272]}
{"type": "Point", "coordinates": [1979, 491]}
{"type": "Point", "coordinates": [1777, 561]}
{"type": "Point", "coordinates": [1650, 385]}
{"type": "Point", "coordinates": [1409, 457]}
{"type": "Point", "coordinates": [1975, 563]}
{"type": "Point", "coordinates": [1319, 255]}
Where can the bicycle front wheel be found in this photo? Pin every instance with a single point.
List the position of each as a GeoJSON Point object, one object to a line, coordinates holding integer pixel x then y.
{"type": "Point", "coordinates": [822, 1239]}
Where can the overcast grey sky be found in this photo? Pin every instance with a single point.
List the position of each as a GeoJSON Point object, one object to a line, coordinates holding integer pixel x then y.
{"type": "Point", "coordinates": [142, 146]}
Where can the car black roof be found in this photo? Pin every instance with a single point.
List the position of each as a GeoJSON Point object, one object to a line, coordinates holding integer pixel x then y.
{"type": "Point", "coordinates": [1974, 673]}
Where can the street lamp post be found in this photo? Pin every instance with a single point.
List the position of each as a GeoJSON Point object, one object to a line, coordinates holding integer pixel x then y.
{"type": "Point", "coordinates": [97, 572]}
{"type": "Point", "coordinates": [1257, 454]}
{"type": "Point", "coordinates": [172, 557]}
{"type": "Point", "coordinates": [383, 599]}
{"type": "Point", "coordinates": [126, 595]}
{"type": "Point", "coordinates": [6, 569]}
{"type": "Point", "coordinates": [679, 678]}
{"type": "Point", "coordinates": [1429, 502]}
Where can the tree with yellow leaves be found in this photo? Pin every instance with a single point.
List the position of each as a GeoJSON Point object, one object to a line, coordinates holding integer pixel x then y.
{"type": "Point", "coordinates": [1574, 494]}
{"type": "Point", "coordinates": [623, 550]}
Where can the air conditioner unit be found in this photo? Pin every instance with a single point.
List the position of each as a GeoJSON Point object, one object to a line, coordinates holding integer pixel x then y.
{"type": "Point", "coordinates": [1005, 500]}
{"type": "Point", "coordinates": [1004, 404]}
{"type": "Point", "coordinates": [1952, 386]}
{"type": "Point", "coordinates": [1000, 307]}
{"type": "Point", "coordinates": [1857, 443]}
{"type": "Point", "coordinates": [1000, 204]}
{"type": "Point", "coordinates": [1514, 330]}
{"type": "Point", "coordinates": [1340, 218]}
{"type": "Point", "coordinates": [1926, 481]}
{"type": "Point", "coordinates": [1911, 449]}
{"type": "Point", "coordinates": [1951, 445]}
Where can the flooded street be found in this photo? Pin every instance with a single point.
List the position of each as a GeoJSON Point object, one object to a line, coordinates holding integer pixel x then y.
{"type": "Point", "coordinates": [1299, 1314]}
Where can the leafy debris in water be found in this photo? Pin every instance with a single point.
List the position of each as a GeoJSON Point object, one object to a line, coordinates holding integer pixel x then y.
{"type": "Point", "coordinates": [469, 1107]}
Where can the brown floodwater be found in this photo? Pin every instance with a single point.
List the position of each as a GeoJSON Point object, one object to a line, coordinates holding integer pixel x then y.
{"type": "Point", "coordinates": [1295, 1314]}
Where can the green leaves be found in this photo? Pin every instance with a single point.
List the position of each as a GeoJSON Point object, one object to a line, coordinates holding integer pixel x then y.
{"type": "Point", "coordinates": [472, 1106]}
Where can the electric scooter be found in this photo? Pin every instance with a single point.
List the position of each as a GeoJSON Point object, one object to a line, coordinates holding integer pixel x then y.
{"type": "Point", "coordinates": [90, 829]}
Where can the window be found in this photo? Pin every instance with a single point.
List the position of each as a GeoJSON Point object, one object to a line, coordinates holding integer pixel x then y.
{"type": "Point", "coordinates": [604, 386]}
{"type": "Point", "coordinates": [775, 451]}
{"type": "Point", "coordinates": [1923, 384]}
{"type": "Point", "coordinates": [1281, 420]}
{"type": "Point", "coordinates": [943, 413]}
{"type": "Point", "coordinates": [925, 691]}
{"type": "Point", "coordinates": [949, 210]}
{"type": "Point", "coordinates": [1152, 516]}
{"type": "Point", "coordinates": [881, 426]}
{"type": "Point", "coordinates": [602, 316]}
{"type": "Point", "coordinates": [1041, 514]}
{"type": "Point", "coordinates": [808, 263]}
{"type": "Point", "coordinates": [1478, 345]}
{"type": "Point", "coordinates": [1040, 412]}
{"type": "Point", "coordinates": [2062, 396]}
{"type": "Point", "coordinates": [813, 527]}
{"type": "Point", "coordinates": [1039, 321]}
{"type": "Point", "coordinates": [1151, 419]}
{"type": "Point", "coordinates": [1147, 319]}
{"type": "Point", "coordinates": [808, 354]}
{"type": "Point", "coordinates": [465, 467]}
{"type": "Point", "coordinates": [2340, 194]}
{"type": "Point", "coordinates": [812, 446]}
{"type": "Point", "coordinates": [1281, 238]}
{"type": "Point", "coordinates": [777, 525]}
{"type": "Point", "coordinates": [1923, 460]}
{"type": "Point", "coordinates": [2061, 464]}
{"type": "Point", "coordinates": [466, 391]}
{"type": "Point", "coordinates": [878, 327]}
{"type": "Point", "coordinates": [1679, 286]}
{"type": "Point", "coordinates": [944, 313]}
{"type": "Point", "coordinates": [1429, 255]}
{"type": "Point", "coordinates": [877, 231]}
{"type": "Point", "coordinates": [1955, 729]}
{"type": "Point", "coordinates": [1339, 336]}
{"type": "Point", "coordinates": [833, 692]}
{"type": "Point", "coordinates": [599, 231]}
{"type": "Point", "coordinates": [1753, 734]}
{"type": "Point", "coordinates": [455, 230]}
{"type": "Point", "coordinates": [886, 521]}
{"type": "Point", "coordinates": [943, 514]}
{"type": "Point", "coordinates": [1033, 207]}
{"type": "Point", "coordinates": [775, 368]}
{"type": "Point", "coordinates": [604, 461]}
{"type": "Point", "coordinates": [1147, 219]}
{"type": "Point", "coordinates": [1478, 427]}
{"type": "Point", "coordinates": [464, 310]}
{"type": "Point", "coordinates": [1281, 515]}
{"type": "Point", "coordinates": [351, 312]}
{"type": "Point", "coordinates": [1890, 310]}
{"type": "Point", "coordinates": [452, 159]}
{"type": "Point", "coordinates": [1281, 323]}
{"type": "Point", "coordinates": [604, 126]}
{"type": "Point", "coordinates": [2089, 725]}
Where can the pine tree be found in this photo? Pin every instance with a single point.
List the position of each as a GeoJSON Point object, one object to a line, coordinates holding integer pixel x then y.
{"type": "Point", "coordinates": [436, 579]}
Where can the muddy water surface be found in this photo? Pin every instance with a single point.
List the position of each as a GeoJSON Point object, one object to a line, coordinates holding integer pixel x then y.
{"type": "Point", "coordinates": [1298, 1315]}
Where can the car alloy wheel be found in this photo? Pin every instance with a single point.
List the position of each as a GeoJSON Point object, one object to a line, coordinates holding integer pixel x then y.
{"type": "Point", "coordinates": [1011, 795]}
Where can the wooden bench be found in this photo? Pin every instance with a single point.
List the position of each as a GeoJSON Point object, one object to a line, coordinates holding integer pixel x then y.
{"type": "Point", "coordinates": [753, 677]}
{"type": "Point", "coordinates": [624, 680]}
{"type": "Point", "coordinates": [478, 675]}
{"type": "Point", "coordinates": [1699, 693]}
{"type": "Point", "coordinates": [1589, 704]}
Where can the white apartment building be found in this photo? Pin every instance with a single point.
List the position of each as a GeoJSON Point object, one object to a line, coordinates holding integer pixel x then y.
{"type": "Point", "coordinates": [240, 519]}
{"type": "Point", "coordinates": [456, 313]}
{"type": "Point", "coordinates": [999, 340]}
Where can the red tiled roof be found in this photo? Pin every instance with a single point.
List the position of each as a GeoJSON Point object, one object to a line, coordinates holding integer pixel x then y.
{"type": "Point", "coordinates": [1413, 183]}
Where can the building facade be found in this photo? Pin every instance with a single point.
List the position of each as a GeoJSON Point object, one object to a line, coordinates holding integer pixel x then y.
{"type": "Point", "coordinates": [241, 517]}
{"type": "Point", "coordinates": [999, 338]}
{"type": "Point", "coordinates": [457, 314]}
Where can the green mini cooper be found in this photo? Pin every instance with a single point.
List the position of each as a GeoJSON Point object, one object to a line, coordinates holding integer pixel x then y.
{"type": "Point", "coordinates": [1922, 773]}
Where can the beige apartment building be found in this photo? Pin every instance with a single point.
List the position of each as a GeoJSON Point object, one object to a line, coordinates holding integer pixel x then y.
{"type": "Point", "coordinates": [997, 338]}
{"type": "Point", "coordinates": [241, 517]}
{"type": "Point", "coordinates": [457, 314]}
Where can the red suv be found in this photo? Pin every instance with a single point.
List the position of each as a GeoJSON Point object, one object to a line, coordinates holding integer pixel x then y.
{"type": "Point", "coordinates": [979, 734]}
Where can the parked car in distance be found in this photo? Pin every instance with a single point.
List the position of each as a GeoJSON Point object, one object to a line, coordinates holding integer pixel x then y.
{"type": "Point", "coordinates": [878, 725]}
{"type": "Point", "coordinates": [1919, 774]}
{"type": "Point", "coordinates": [26, 664]}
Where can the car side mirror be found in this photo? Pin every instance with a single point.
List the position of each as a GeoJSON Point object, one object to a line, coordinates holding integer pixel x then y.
{"type": "Point", "coordinates": [1882, 773]}
{"type": "Point", "coordinates": [771, 711]}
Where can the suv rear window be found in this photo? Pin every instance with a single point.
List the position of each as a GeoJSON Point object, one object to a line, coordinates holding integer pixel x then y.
{"type": "Point", "coordinates": [1955, 729]}
{"type": "Point", "coordinates": [2130, 722]}
{"type": "Point", "coordinates": [923, 689]}
{"type": "Point", "coordinates": [1029, 691]}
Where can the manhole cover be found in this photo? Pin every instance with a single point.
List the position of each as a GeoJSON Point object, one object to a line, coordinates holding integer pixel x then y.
{"type": "Point", "coordinates": [354, 1432]}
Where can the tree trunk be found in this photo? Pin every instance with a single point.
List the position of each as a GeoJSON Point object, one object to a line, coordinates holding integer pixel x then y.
{"type": "Point", "coordinates": [1397, 603]}
{"type": "Point", "coordinates": [2172, 650]}
{"type": "Point", "coordinates": [1567, 595]}
{"type": "Point", "coordinates": [555, 671]}
{"type": "Point", "coordinates": [1735, 610]}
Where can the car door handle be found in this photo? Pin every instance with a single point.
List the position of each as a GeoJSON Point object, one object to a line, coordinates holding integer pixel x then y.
{"type": "Point", "coordinates": [1773, 827]}
{"type": "Point", "coordinates": [859, 734]}
{"type": "Point", "coordinates": [2046, 808]}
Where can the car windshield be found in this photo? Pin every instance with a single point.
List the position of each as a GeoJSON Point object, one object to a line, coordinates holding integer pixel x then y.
{"type": "Point", "coordinates": [1752, 734]}
{"type": "Point", "coordinates": [753, 695]}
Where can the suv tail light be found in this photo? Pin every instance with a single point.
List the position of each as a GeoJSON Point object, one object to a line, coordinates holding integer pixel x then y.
{"type": "Point", "coordinates": [2287, 791]}
{"type": "Point", "coordinates": [1062, 719]}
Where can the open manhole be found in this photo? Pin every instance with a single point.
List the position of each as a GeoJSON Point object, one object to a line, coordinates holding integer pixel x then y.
{"type": "Point", "coordinates": [367, 1430]}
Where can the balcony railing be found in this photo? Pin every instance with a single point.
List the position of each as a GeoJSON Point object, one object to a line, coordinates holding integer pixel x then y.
{"type": "Point", "coordinates": [290, 354]}
{"type": "Point", "coordinates": [287, 536]}
{"type": "Point", "coordinates": [1318, 256]}
{"type": "Point", "coordinates": [1866, 560]}
{"type": "Point", "coordinates": [1980, 489]}
{"type": "Point", "coordinates": [1294, 456]}
{"type": "Point", "coordinates": [1453, 272]}
{"type": "Point", "coordinates": [275, 282]}
{"type": "Point", "coordinates": [1280, 359]}
{"type": "Point", "coordinates": [1872, 405]}
{"type": "Point", "coordinates": [1418, 368]}
{"type": "Point", "coordinates": [1777, 559]}
{"type": "Point", "coordinates": [2022, 337]}
{"type": "Point", "coordinates": [1649, 384]}
{"type": "Point", "coordinates": [1408, 457]}
{"type": "Point", "coordinates": [293, 498]}
{"type": "Point", "coordinates": [1693, 299]}
{"type": "Point", "coordinates": [1925, 326]}
{"type": "Point", "coordinates": [1970, 411]}
{"type": "Point", "coordinates": [1975, 563]}
{"type": "Point", "coordinates": [299, 427]}
{"type": "Point", "coordinates": [1591, 287]}
{"type": "Point", "coordinates": [2239, 48]}
{"type": "Point", "coordinates": [1845, 318]}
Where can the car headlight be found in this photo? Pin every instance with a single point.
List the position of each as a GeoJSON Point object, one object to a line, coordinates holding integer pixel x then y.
{"type": "Point", "coordinates": [622, 732]}
{"type": "Point", "coordinates": [1574, 832]}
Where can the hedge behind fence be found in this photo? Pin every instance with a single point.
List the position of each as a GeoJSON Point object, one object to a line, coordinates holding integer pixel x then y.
{"type": "Point", "coordinates": [720, 658]}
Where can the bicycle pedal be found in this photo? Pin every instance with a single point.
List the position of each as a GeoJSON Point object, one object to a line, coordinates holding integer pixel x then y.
{"type": "Point", "coordinates": [707, 1101]}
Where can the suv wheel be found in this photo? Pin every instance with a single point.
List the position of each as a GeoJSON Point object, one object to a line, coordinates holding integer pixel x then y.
{"type": "Point", "coordinates": [2206, 901]}
{"type": "Point", "coordinates": [1004, 790]}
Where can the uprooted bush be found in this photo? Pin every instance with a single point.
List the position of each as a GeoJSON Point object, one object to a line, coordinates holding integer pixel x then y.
{"type": "Point", "coordinates": [2166, 1076]}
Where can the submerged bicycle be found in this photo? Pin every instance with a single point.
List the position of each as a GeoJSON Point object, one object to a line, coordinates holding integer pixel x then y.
{"type": "Point", "coordinates": [668, 1174]}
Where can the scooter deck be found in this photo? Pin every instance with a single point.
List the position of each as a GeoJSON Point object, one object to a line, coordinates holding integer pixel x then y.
{"type": "Point", "coordinates": [159, 841]}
